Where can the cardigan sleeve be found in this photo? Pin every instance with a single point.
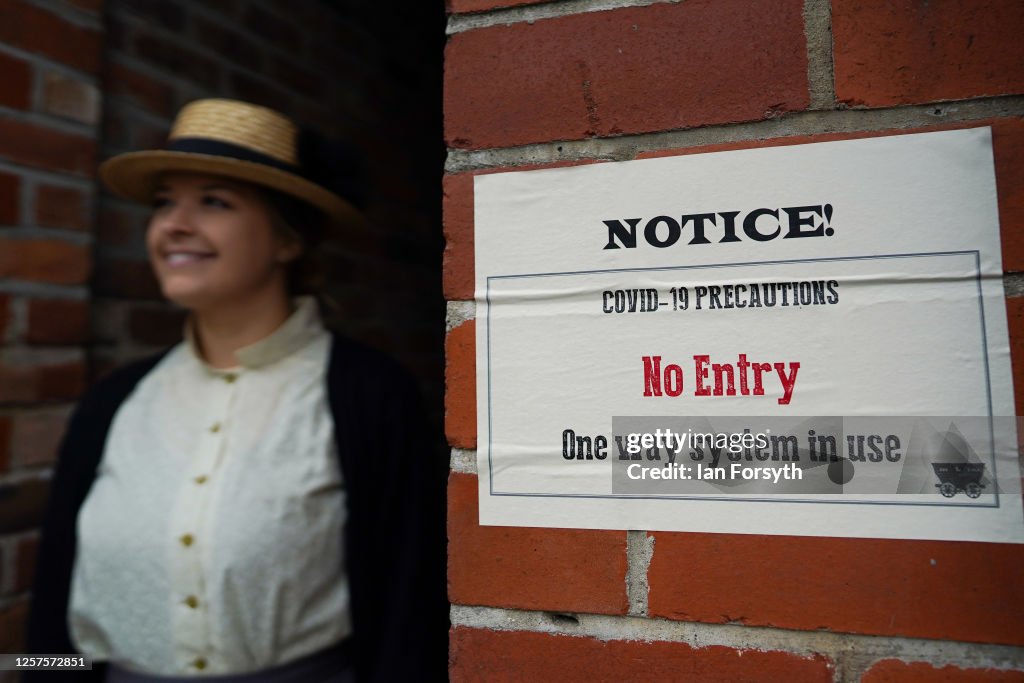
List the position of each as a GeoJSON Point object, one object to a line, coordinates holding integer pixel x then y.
{"type": "Point", "coordinates": [78, 459]}
{"type": "Point", "coordinates": [395, 534]}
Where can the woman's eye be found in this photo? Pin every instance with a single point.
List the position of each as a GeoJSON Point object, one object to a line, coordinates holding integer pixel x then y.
{"type": "Point", "coordinates": [160, 202]}
{"type": "Point", "coordinates": [216, 202]}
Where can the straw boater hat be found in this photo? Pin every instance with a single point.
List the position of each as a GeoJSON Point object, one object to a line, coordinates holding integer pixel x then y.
{"type": "Point", "coordinates": [231, 139]}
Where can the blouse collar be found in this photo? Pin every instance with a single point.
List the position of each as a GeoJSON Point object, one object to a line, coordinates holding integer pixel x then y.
{"type": "Point", "coordinates": [298, 330]}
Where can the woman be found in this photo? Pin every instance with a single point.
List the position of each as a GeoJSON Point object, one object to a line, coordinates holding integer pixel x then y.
{"type": "Point", "coordinates": [254, 504]}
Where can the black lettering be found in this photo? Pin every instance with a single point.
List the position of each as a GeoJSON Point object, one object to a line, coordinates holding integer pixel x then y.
{"type": "Point", "coordinates": [797, 221]}
{"type": "Point", "coordinates": [698, 226]}
{"type": "Point", "coordinates": [750, 224]}
{"type": "Point", "coordinates": [627, 236]}
{"type": "Point", "coordinates": [651, 232]}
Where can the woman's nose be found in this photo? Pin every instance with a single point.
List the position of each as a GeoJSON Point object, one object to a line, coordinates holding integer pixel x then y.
{"type": "Point", "coordinates": [174, 218]}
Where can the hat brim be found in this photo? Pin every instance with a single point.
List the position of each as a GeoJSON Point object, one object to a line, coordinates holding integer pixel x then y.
{"type": "Point", "coordinates": [135, 175]}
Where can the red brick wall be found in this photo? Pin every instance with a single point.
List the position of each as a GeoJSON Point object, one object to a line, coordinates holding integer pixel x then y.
{"type": "Point", "coordinates": [50, 56]}
{"type": "Point", "coordinates": [531, 84]}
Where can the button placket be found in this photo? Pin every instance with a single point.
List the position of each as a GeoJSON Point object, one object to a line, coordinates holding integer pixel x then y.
{"type": "Point", "coordinates": [191, 627]}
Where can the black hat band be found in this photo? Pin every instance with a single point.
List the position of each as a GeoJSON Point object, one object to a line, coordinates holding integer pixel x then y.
{"type": "Point", "coordinates": [232, 151]}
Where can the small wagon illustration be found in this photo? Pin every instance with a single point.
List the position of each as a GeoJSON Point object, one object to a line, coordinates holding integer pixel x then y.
{"type": "Point", "coordinates": [959, 476]}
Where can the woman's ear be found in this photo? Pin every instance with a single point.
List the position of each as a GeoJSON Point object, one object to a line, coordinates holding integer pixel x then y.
{"type": "Point", "coordinates": [289, 250]}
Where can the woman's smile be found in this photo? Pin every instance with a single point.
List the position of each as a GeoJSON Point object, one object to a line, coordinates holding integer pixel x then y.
{"type": "Point", "coordinates": [178, 258]}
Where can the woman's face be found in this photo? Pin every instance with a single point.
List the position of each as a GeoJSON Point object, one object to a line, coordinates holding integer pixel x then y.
{"type": "Point", "coordinates": [212, 242]}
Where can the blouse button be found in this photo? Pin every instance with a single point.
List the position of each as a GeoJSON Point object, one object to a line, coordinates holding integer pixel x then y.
{"type": "Point", "coordinates": [200, 479]}
{"type": "Point", "coordinates": [215, 427]}
{"type": "Point", "coordinates": [230, 377]}
{"type": "Point", "coordinates": [192, 601]}
{"type": "Point", "coordinates": [186, 540]}
{"type": "Point", "coordinates": [199, 663]}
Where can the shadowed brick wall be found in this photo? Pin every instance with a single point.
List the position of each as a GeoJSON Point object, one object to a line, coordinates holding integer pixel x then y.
{"type": "Point", "coordinates": [530, 84]}
{"type": "Point", "coordinates": [50, 71]}
{"type": "Point", "coordinates": [81, 80]}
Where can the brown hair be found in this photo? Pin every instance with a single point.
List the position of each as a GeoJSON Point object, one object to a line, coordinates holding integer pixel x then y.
{"type": "Point", "coordinates": [297, 220]}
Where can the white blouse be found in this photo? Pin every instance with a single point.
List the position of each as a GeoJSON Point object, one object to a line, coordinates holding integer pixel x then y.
{"type": "Point", "coordinates": [211, 540]}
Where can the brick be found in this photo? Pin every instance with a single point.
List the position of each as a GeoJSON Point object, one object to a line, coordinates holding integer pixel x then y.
{"type": "Point", "coordinates": [385, 273]}
{"type": "Point", "coordinates": [459, 271]}
{"type": "Point", "coordinates": [16, 75]}
{"type": "Point", "coordinates": [118, 227]}
{"type": "Point", "coordinates": [109, 326]}
{"type": "Point", "coordinates": [62, 207]}
{"type": "Point", "coordinates": [1008, 150]}
{"type": "Point", "coordinates": [5, 315]}
{"type": "Point", "coordinates": [631, 70]}
{"type": "Point", "coordinates": [37, 260]}
{"type": "Point", "coordinates": [25, 563]}
{"type": "Point", "coordinates": [177, 59]}
{"type": "Point", "coordinates": [146, 136]}
{"type": "Point", "coordinates": [58, 321]}
{"type": "Point", "coordinates": [145, 91]}
{"type": "Point", "coordinates": [13, 621]}
{"type": "Point", "coordinates": [35, 145]}
{"type": "Point", "coordinates": [273, 28]}
{"type": "Point", "coordinates": [33, 381]}
{"type": "Point", "coordinates": [230, 44]}
{"type": "Point", "coordinates": [496, 656]}
{"type": "Point", "coordinates": [157, 327]}
{"type": "Point", "coordinates": [166, 13]}
{"type": "Point", "coordinates": [572, 570]}
{"type": "Point", "coordinates": [896, 671]}
{"type": "Point", "coordinates": [227, 8]}
{"type": "Point", "coordinates": [354, 303]}
{"type": "Point", "coordinates": [6, 427]}
{"type": "Point", "coordinates": [88, 5]}
{"type": "Point", "coordinates": [413, 247]}
{"type": "Point", "coordinates": [908, 52]}
{"type": "Point", "coordinates": [460, 386]}
{"type": "Point", "coordinates": [62, 381]}
{"type": "Point", "coordinates": [306, 13]}
{"type": "Point", "coordinates": [338, 57]}
{"type": "Point", "coordinates": [70, 98]}
{"type": "Point", "coordinates": [257, 90]}
{"type": "Point", "coordinates": [849, 585]}
{"type": "Point", "coordinates": [42, 32]}
{"type": "Point", "coordinates": [126, 279]}
{"type": "Point", "coordinates": [299, 79]}
{"type": "Point", "coordinates": [1008, 153]}
{"type": "Point", "coordinates": [116, 133]}
{"type": "Point", "coordinates": [118, 33]}
{"type": "Point", "coordinates": [460, 6]}
{"type": "Point", "coordinates": [36, 436]}
{"type": "Point", "coordinates": [321, 115]}
{"type": "Point", "coordinates": [22, 507]}
{"type": "Point", "coordinates": [1015, 323]}
{"type": "Point", "coordinates": [10, 199]}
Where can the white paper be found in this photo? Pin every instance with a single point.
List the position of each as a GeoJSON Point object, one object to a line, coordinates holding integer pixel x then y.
{"type": "Point", "coordinates": [918, 326]}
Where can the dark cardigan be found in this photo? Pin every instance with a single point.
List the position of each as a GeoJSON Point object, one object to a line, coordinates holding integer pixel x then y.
{"type": "Point", "coordinates": [394, 532]}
